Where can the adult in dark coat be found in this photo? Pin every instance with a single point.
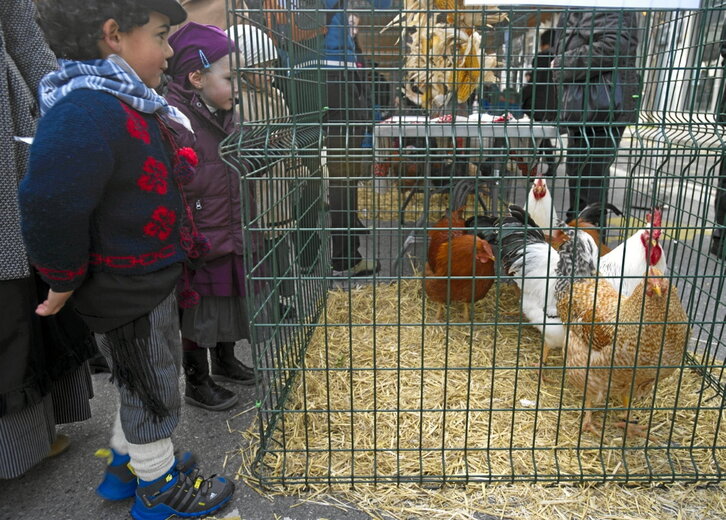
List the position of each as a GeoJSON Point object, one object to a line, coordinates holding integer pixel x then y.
{"type": "Point", "coordinates": [43, 378]}
{"type": "Point", "coordinates": [590, 43]}
{"type": "Point", "coordinates": [718, 246]}
{"type": "Point", "coordinates": [539, 95]}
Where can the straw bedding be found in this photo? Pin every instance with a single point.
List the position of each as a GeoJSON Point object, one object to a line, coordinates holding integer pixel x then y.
{"type": "Point", "coordinates": [466, 399]}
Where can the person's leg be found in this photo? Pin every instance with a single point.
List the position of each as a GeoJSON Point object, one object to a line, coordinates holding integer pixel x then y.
{"type": "Point", "coordinates": [135, 424]}
{"type": "Point", "coordinates": [164, 488]}
{"type": "Point", "coordinates": [344, 162]}
{"type": "Point", "coordinates": [547, 149]}
{"type": "Point", "coordinates": [590, 153]}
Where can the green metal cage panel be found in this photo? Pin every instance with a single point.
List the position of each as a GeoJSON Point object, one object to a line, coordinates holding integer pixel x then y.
{"type": "Point", "coordinates": [364, 379]}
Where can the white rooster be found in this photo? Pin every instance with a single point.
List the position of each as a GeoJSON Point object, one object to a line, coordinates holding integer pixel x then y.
{"type": "Point", "coordinates": [625, 266]}
{"type": "Point", "coordinates": [540, 206]}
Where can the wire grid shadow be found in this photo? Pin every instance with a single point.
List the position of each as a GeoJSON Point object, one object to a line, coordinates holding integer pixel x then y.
{"type": "Point", "coordinates": [461, 360]}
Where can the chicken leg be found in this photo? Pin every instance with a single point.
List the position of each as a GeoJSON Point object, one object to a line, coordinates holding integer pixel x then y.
{"type": "Point", "coordinates": [543, 362]}
{"type": "Point", "coordinates": [631, 427]}
{"type": "Point", "coordinates": [588, 424]}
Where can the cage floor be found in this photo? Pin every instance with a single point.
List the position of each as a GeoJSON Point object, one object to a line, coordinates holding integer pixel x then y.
{"type": "Point", "coordinates": [378, 401]}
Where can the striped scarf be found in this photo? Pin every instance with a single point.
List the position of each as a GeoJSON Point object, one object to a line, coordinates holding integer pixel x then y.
{"type": "Point", "coordinates": [112, 75]}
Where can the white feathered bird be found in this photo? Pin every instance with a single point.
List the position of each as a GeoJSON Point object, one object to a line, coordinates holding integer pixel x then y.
{"type": "Point", "coordinates": [526, 254]}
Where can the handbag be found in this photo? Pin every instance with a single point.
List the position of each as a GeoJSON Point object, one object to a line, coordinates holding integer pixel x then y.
{"type": "Point", "coordinates": [597, 100]}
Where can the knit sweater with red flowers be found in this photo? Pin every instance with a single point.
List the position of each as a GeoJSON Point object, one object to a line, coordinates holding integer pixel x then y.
{"type": "Point", "coordinates": [99, 194]}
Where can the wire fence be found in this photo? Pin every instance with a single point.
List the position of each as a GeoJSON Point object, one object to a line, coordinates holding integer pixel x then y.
{"type": "Point", "coordinates": [482, 349]}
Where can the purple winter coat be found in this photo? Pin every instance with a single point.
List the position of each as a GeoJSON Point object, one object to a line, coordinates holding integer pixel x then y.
{"type": "Point", "coordinates": [214, 193]}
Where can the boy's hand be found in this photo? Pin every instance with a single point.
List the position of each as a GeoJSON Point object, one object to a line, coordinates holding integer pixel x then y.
{"type": "Point", "coordinates": [52, 304]}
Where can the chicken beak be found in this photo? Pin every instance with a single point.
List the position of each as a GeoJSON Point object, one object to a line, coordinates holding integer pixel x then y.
{"type": "Point", "coordinates": [657, 290]}
{"type": "Point", "coordinates": [653, 242]}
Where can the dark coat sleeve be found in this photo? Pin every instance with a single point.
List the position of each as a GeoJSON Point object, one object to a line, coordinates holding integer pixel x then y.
{"type": "Point", "coordinates": [595, 41]}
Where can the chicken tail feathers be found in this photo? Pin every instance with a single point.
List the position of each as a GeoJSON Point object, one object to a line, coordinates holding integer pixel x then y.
{"type": "Point", "coordinates": [591, 212]}
{"type": "Point", "coordinates": [518, 232]}
{"type": "Point", "coordinates": [485, 227]}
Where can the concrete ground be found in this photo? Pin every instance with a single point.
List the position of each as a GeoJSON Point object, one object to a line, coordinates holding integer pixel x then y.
{"type": "Point", "coordinates": [62, 488]}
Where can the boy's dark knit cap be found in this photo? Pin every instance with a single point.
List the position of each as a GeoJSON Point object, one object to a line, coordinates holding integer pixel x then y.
{"type": "Point", "coordinates": [196, 47]}
{"type": "Point", "coordinates": [171, 8]}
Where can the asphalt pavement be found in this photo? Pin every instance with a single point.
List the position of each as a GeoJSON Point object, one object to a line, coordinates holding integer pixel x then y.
{"type": "Point", "coordinates": [62, 488]}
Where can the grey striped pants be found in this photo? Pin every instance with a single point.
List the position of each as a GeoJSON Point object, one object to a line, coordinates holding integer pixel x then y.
{"type": "Point", "coordinates": [26, 436]}
{"type": "Point", "coordinates": [164, 357]}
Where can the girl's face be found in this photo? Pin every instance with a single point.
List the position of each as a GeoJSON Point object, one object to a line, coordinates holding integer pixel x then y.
{"type": "Point", "coordinates": [215, 85]}
{"type": "Point", "coordinates": [261, 80]}
{"type": "Point", "coordinates": [146, 48]}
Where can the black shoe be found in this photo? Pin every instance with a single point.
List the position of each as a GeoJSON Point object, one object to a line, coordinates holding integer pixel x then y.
{"type": "Point", "coordinates": [227, 368]}
{"type": "Point", "coordinates": [180, 495]}
{"type": "Point", "coordinates": [287, 312]}
{"type": "Point", "coordinates": [201, 390]}
{"type": "Point", "coordinates": [365, 267]}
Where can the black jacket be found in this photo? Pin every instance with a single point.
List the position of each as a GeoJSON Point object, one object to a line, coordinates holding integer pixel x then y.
{"type": "Point", "coordinates": [540, 95]}
{"type": "Point", "coordinates": [614, 46]}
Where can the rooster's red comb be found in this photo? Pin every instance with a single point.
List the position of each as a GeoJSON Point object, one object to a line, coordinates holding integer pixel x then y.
{"type": "Point", "coordinates": [656, 218]}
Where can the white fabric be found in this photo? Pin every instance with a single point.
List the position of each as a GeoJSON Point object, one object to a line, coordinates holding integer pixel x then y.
{"type": "Point", "coordinates": [153, 460]}
{"type": "Point", "coordinates": [118, 441]}
{"type": "Point", "coordinates": [254, 45]}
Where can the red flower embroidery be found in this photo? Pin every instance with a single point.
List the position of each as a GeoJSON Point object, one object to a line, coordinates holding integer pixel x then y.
{"type": "Point", "coordinates": [136, 126]}
{"type": "Point", "coordinates": [189, 154]}
{"type": "Point", "coordinates": [154, 176]}
{"type": "Point", "coordinates": [161, 223]}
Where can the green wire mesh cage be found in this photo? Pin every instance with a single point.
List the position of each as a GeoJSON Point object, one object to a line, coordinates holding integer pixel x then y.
{"type": "Point", "coordinates": [410, 324]}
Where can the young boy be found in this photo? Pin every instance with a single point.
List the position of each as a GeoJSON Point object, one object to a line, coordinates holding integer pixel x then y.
{"type": "Point", "coordinates": [104, 222]}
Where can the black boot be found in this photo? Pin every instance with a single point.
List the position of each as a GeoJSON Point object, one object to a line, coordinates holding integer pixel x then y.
{"type": "Point", "coordinates": [201, 391]}
{"type": "Point", "coordinates": [226, 367]}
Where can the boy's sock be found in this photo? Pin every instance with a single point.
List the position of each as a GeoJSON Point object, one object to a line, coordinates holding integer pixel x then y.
{"type": "Point", "coordinates": [153, 460]}
{"type": "Point", "coordinates": [118, 441]}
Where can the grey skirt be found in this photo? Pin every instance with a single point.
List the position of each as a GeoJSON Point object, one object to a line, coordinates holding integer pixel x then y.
{"type": "Point", "coordinates": [216, 319]}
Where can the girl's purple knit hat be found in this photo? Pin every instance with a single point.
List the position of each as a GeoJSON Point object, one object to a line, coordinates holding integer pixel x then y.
{"type": "Point", "coordinates": [196, 47]}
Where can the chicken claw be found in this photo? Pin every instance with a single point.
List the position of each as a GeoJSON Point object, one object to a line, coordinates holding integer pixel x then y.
{"type": "Point", "coordinates": [590, 425]}
{"type": "Point", "coordinates": [633, 429]}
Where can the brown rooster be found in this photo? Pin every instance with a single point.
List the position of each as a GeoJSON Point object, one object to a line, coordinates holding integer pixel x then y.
{"type": "Point", "coordinates": [442, 232]}
{"type": "Point", "coordinates": [462, 256]}
{"type": "Point", "coordinates": [608, 334]}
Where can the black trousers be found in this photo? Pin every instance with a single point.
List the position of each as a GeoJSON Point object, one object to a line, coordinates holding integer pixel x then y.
{"type": "Point", "coordinates": [346, 120]}
{"type": "Point", "coordinates": [590, 153]}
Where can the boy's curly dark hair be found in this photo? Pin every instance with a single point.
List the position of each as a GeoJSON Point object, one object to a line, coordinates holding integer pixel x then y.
{"type": "Point", "coordinates": [73, 28]}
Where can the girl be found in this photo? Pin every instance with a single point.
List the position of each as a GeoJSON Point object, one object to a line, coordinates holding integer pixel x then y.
{"type": "Point", "coordinates": [200, 87]}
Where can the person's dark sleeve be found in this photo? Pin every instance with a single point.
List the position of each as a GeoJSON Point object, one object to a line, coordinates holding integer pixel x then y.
{"type": "Point", "coordinates": [614, 40]}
